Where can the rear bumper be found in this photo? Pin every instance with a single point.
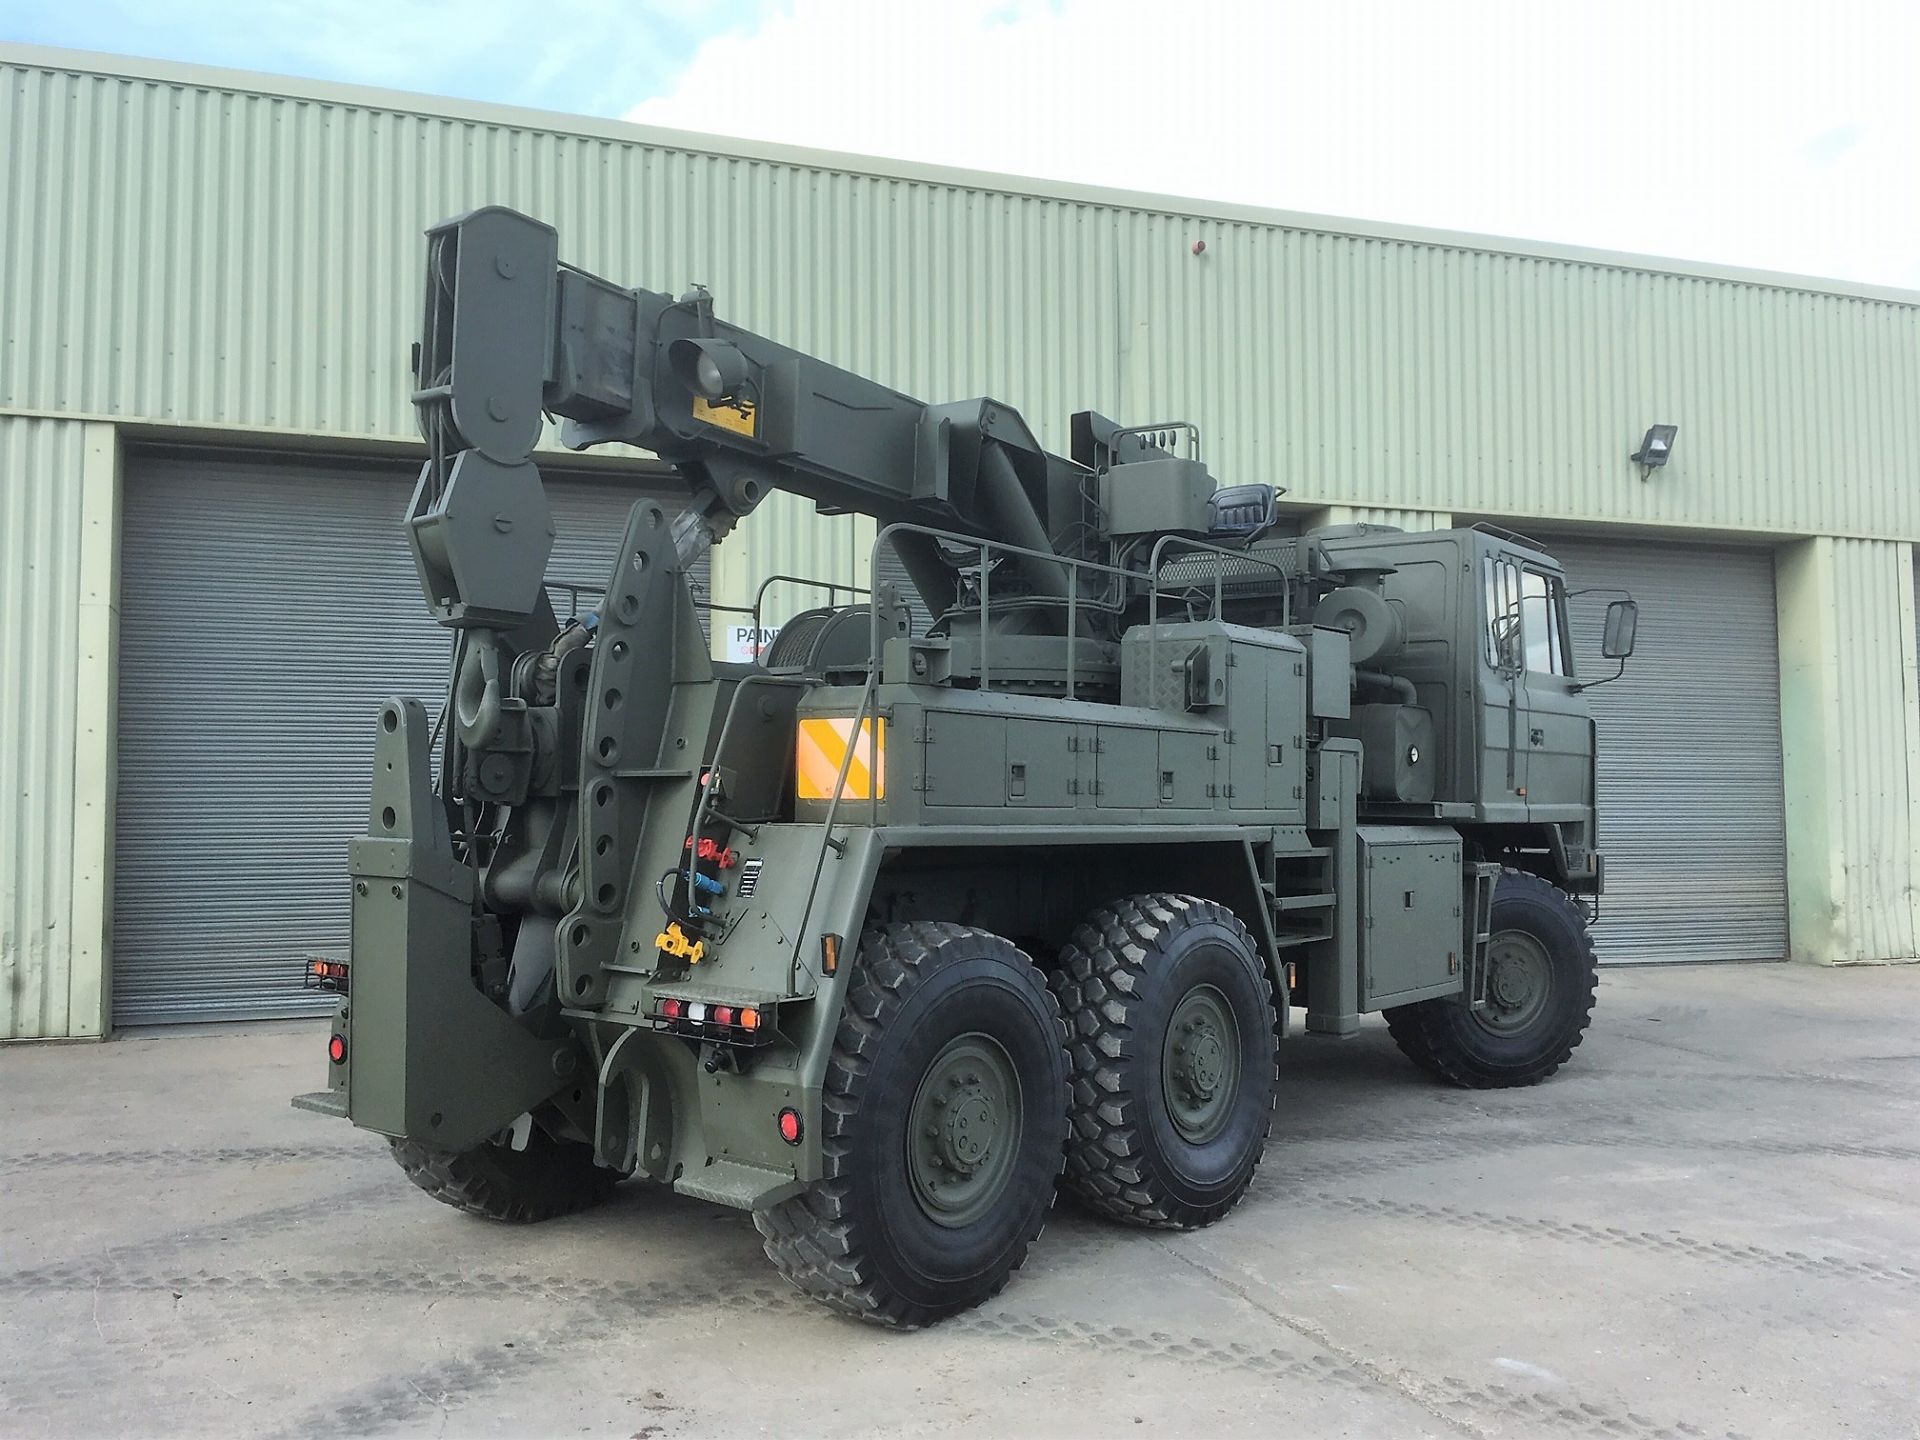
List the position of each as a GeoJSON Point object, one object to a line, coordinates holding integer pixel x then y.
{"type": "Point", "coordinates": [323, 1102]}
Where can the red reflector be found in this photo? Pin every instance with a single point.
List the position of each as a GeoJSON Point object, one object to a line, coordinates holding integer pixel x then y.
{"type": "Point", "coordinates": [670, 1009]}
{"type": "Point", "coordinates": [337, 1049]}
{"type": "Point", "coordinates": [790, 1126]}
{"type": "Point", "coordinates": [723, 1014]}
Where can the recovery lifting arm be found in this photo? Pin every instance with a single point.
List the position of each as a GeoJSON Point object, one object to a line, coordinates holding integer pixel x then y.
{"type": "Point", "coordinates": [510, 334]}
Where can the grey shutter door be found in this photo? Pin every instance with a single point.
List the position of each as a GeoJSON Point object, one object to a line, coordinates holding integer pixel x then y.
{"type": "Point", "coordinates": [267, 606]}
{"type": "Point", "coordinates": [1692, 809]}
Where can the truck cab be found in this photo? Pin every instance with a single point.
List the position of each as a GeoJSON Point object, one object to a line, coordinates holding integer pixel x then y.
{"type": "Point", "coordinates": [1489, 654]}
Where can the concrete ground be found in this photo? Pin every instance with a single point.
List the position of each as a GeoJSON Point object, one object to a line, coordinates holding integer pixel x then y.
{"type": "Point", "coordinates": [1708, 1225]}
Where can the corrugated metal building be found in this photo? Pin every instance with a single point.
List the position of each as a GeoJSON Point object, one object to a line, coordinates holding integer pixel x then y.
{"type": "Point", "coordinates": [208, 283]}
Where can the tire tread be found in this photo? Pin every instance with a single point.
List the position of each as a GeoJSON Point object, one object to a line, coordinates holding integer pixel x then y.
{"type": "Point", "coordinates": [519, 1187]}
{"type": "Point", "coordinates": [812, 1239]}
{"type": "Point", "coordinates": [1102, 968]}
{"type": "Point", "coordinates": [1421, 1030]}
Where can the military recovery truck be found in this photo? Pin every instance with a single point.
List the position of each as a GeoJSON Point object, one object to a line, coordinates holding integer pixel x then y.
{"type": "Point", "coordinates": [1006, 877]}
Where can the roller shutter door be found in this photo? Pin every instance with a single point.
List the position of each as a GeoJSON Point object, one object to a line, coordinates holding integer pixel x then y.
{"type": "Point", "coordinates": [267, 606]}
{"type": "Point", "coordinates": [1692, 811]}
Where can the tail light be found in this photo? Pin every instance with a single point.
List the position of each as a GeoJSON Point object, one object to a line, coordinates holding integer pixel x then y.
{"type": "Point", "coordinates": [740, 1025]}
{"type": "Point", "coordinates": [323, 974]}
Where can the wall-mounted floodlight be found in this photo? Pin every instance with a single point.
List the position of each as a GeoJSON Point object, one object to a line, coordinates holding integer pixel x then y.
{"type": "Point", "coordinates": [1654, 449]}
{"type": "Point", "coordinates": [715, 370]}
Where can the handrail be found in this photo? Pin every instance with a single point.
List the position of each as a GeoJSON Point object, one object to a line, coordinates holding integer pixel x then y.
{"type": "Point", "coordinates": [867, 709]}
{"type": "Point", "coordinates": [701, 595]}
{"type": "Point", "coordinates": [704, 792]}
{"type": "Point", "coordinates": [574, 589]}
{"type": "Point", "coordinates": [867, 693]}
{"type": "Point", "coordinates": [1185, 429]}
{"type": "Point", "coordinates": [986, 549]}
{"type": "Point", "coordinates": [832, 587]}
{"type": "Point", "coordinates": [1219, 580]}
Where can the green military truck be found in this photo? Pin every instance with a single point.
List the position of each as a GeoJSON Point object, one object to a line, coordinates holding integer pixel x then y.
{"type": "Point", "coordinates": [1005, 876]}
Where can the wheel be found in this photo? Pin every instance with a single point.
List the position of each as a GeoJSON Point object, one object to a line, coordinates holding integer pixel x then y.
{"type": "Point", "coordinates": [1174, 1050]}
{"type": "Point", "coordinates": [941, 1130]}
{"type": "Point", "coordinates": [1540, 984]}
{"type": "Point", "coordinates": [1403, 1024]}
{"type": "Point", "coordinates": [548, 1178]}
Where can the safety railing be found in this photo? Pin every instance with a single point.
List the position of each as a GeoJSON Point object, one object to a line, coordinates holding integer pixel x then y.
{"type": "Point", "coordinates": [865, 721]}
{"type": "Point", "coordinates": [834, 588]}
{"type": "Point", "coordinates": [1239, 557]}
{"type": "Point", "coordinates": [1072, 568]}
{"type": "Point", "coordinates": [1172, 436]}
{"type": "Point", "coordinates": [573, 589]}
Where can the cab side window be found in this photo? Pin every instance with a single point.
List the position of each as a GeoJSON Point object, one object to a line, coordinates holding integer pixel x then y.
{"type": "Point", "coordinates": [1504, 650]}
{"type": "Point", "coordinates": [1526, 618]}
{"type": "Point", "coordinates": [1543, 619]}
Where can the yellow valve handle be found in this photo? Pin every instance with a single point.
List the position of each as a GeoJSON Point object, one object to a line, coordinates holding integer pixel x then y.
{"type": "Point", "coordinates": [673, 941]}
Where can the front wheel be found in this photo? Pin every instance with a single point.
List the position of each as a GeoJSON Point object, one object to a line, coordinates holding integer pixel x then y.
{"type": "Point", "coordinates": [1541, 978]}
{"type": "Point", "coordinates": [941, 1128]}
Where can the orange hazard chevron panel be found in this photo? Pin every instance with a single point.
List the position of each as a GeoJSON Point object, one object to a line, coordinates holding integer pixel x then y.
{"type": "Point", "coordinates": [822, 749]}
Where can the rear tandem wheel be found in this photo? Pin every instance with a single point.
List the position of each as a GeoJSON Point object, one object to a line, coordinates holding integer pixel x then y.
{"type": "Point", "coordinates": [941, 1129]}
{"type": "Point", "coordinates": [1174, 1048]}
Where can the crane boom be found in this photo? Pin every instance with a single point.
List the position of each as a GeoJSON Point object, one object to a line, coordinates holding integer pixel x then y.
{"type": "Point", "coordinates": [510, 334]}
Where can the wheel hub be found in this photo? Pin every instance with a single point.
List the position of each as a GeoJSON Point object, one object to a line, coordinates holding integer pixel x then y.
{"type": "Point", "coordinates": [1199, 1060]}
{"type": "Point", "coordinates": [966, 1140]}
{"type": "Point", "coordinates": [1510, 983]}
{"type": "Point", "coordinates": [963, 1131]}
{"type": "Point", "coordinates": [1200, 1064]}
{"type": "Point", "coordinates": [1519, 982]}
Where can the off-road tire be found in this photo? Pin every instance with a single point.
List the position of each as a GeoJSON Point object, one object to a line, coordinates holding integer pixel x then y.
{"type": "Point", "coordinates": [1446, 1039]}
{"type": "Point", "coordinates": [1122, 976]}
{"type": "Point", "coordinates": [1403, 1024]}
{"type": "Point", "coordinates": [547, 1179]}
{"type": "Point", "coordinates": [858, 1239]}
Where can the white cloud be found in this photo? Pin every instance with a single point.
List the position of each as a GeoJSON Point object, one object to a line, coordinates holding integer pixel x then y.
{"type": "Point", "coordinates": [1780, 136]}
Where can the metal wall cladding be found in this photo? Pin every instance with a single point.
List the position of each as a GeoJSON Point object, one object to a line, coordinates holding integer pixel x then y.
{"type": "Point", "coordinates": [178, 250]}
{"type": "Point", "coordinates": [1877, 819]}
{"type": "Point", "coordinates": [40, 464]}
{"type": "Point", "coordinates": [1691, 792]}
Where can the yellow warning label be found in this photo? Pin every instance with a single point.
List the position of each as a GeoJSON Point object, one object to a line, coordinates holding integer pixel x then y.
{"type": "Point", "coordinates": [822, 749]}
{"type": "Point", "coordinates": [739, 416]}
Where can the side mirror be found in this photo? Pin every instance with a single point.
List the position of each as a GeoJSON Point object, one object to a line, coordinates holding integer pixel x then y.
{"type": "Point", "coordinates": [1616, 639]}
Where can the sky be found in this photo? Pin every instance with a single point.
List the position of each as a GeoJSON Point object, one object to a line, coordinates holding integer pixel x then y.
{"type": "Point", "coordinates": [1781, 136]}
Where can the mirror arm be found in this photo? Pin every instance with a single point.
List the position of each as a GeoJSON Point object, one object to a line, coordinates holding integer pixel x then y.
{"type": "Point", "coordinates": [1580, 685]}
